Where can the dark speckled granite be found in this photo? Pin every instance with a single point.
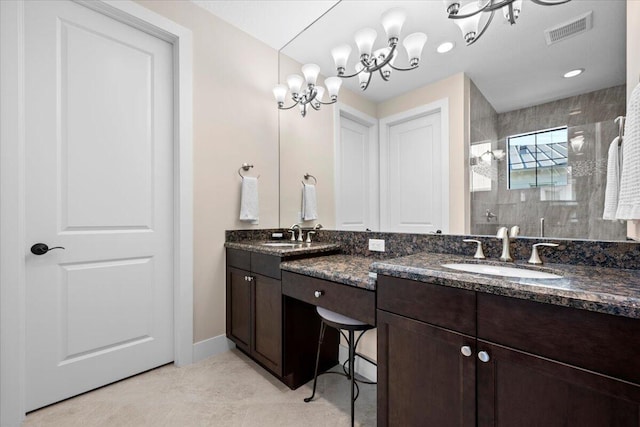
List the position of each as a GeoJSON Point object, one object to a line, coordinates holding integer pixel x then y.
{"type": "Point", "coordinates": [577, 252]}
{"type": "Point", "coordinates": [345, 269]}
{"type": "Point", "coordinates": [605, 290]}
{"type": "Point", "coordinates": [298, 249]}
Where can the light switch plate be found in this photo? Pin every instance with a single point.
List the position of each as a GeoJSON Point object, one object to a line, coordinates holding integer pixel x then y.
{"type": "Point", "coordinates": [376, 245]}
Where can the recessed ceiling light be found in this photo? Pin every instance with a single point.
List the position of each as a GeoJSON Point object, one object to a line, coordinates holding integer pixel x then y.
{"type": "Point", "coordinates": [573, 73]}
{"type": "Point", "coordinates": [445, 47]}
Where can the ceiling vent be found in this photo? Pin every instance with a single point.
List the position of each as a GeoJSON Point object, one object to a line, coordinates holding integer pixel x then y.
{"type": "Point", "coordinates": [576, 26]}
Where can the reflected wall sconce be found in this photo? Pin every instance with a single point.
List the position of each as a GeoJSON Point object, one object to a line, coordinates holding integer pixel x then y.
{"type": "Point", "coordinates": [576, 144]}
{"type": "Point", "coordinates": [469, 16]}
{"type": "Point", "coordinates": [489, 155]}
{"type": "Point", "coordinates": [381, 60]}
{"type": "Point", "coordinates": [305, 92]}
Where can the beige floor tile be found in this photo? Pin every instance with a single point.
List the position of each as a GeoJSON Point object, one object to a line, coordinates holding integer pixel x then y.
{"type": "Point", "coordinates": [225, 390]}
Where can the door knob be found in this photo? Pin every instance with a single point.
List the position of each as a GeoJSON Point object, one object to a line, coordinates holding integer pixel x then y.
{"type": "Point", "coordinates": [41, 249]}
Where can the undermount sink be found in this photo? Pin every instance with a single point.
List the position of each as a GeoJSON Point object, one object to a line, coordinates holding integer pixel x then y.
{"type": "Point", "coordinates": [281, 244]}
{"type": "Point", "coordinates": [499, 270]}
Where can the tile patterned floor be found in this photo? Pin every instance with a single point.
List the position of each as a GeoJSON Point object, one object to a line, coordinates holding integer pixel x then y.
{"type": "Point", "coordinates": [225, 390]}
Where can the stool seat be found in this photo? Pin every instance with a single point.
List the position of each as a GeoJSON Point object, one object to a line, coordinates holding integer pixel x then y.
{"type": "Point", "coordinates": [340, 319]}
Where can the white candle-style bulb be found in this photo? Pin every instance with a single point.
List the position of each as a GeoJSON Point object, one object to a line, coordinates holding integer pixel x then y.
{"type": "Point", "coordinates": [363, 76]}
{"type": "Point", "coordinates": [295, 83]}
{"type": "Point", "coordinates": [392, 21]}
{"type": "Point", "coordinates": [414, 43]}
{"type": "Point", "coordinates": [310, 72]}
{"type": "Point", "coordinates": [365, 39]}
{"type": "Point", "coordinates": [341, 55]}
{"type": "Point", "coordinates": [333, 86]}
{"type": "Point", "coordinates": [469, 26]}
{"type": "Point", "coordinates": [280, 92]}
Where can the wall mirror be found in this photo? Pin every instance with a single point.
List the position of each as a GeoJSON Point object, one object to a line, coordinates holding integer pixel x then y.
{"type": "Point", "coordinates": [509, 83]}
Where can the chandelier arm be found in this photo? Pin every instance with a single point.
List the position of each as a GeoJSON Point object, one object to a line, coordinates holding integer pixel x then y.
{"type": "Point", "coordinates": [352, 75]}
{"type": "Point", "coordinates": [386, 79]}
{"type": "Point", "coordinates": [328, 103]}
{"type": "Point", "coordinates": [490, 6]}
{"type": "Point", "coordinates": [546, 3]}
{"type": "Point", "coordinates": [314, 107]}
{"type": "Point", "coordinates": [288, 108]}
{"type": "Point", "coordinates": [486, 25]}
{"type": "Point", "coordinates": [403, 69]}
{"type": "Point", "coordinates": [512, 18]}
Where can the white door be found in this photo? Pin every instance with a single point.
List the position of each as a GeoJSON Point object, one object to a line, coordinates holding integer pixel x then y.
{"type": "Point", "coordinates": [413, 200]}
{"type": "Point", "coordinates": [355, 203]}
{"type": "Point", "coordinates": [99, 136]}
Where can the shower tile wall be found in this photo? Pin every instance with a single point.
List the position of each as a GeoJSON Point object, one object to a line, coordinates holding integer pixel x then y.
{"type": "Point", "coordinates": [580, 217]}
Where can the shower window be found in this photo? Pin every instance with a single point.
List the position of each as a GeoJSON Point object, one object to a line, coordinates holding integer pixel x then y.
{"type": "Point", "coordinates": [538, 159]}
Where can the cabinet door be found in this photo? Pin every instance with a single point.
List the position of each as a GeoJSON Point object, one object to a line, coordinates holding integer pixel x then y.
{"type": "Point", "coordinates": [239, 308]}
{"type": "Point", "coordinates": [423, 377]}
{"type": "Point", "coordinates": [267, 337]}
{"type": "Point", "coordinates": [520, 389]}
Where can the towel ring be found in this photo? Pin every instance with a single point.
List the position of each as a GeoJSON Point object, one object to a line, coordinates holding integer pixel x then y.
{"type": "Point", "coordinates": [307, 176]}
{"type": "Point", "coordinates": [245, 167]}
{"type": "Point", "coordinates": [620, 120]}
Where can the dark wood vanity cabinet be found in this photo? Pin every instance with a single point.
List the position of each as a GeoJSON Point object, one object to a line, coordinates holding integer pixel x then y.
{"type": "Point", "coordinates": [462, 358]}
{"type": "Point", "coordinates": [254, 306]}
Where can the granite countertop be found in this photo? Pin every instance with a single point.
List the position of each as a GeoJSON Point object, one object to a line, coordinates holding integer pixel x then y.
{"type": "Point", "coordinates": [300, 248]}
{"type": "Point", "coordinates": [605, 290]}
{"type": "Point", "coordinates": [346, 269]}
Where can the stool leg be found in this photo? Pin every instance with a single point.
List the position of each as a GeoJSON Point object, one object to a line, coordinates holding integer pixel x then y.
{"type": "Point", "coordinates": [315, 375]}
{"type": "Point", "coordinates": [352, 375]}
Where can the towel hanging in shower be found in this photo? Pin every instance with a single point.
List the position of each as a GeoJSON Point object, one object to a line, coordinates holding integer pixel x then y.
{"type": "Point", "coordinates": [612, 189]}
{"type": "Point", "coordinates": [629, 198]}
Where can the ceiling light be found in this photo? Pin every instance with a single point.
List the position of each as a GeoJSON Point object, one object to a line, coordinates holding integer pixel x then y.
{"type": "Point", "coordinates": [468, 17]}
{"type": "Point", "coordinates": [445, 47]}
{"type": "Point", "coordinates": [573, 73]}
{"type": "Point", "coordinates": [381, 60]}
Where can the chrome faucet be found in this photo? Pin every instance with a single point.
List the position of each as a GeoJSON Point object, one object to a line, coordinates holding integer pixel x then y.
{"type": "Point", "coordinates": [309, 234]}
{"type": "Point", "coordinates": [504, 234]}
{"type": "Point", "coordinates": [318, 226]}
{"type": "Point", "coordinates": [292, 229]}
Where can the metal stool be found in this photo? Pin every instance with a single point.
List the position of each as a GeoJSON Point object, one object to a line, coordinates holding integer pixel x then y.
{"type": "Point", "coordinates": [341, 322]}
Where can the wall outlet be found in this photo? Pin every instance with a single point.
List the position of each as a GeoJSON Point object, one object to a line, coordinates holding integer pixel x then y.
{"type": "Point", "coordinates": [376, 245]}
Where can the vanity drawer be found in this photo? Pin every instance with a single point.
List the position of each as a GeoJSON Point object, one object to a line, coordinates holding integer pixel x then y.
{"type": "Point", "coordinates": [348, 300]}
{"type": "Point", "coordinates": [239, 259]}
{"type": "Point", "coordinates": [598, 342]}
{"type": "Point", "coordinates": [438, 305]}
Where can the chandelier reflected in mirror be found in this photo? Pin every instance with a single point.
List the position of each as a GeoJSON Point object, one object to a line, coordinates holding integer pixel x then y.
{"type": "Point", "coordinates": [468, 15]}
{"type": "Point", "coordinates": [381, 60]}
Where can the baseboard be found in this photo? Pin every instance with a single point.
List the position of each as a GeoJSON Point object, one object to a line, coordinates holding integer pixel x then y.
{"type": "Point", "coordinates": [211, 347]}
{"type": "Point", "coordinates": [363, 368]}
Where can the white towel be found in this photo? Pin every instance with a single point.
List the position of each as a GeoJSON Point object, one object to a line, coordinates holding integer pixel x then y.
{"type": "Point", "coordinates": [613, 180]}
{"type": "Point", "coordinates": [629, 198]}
{"type": "Point", "coordinates": [309, 202]}
{"type": "Point", "coordinates": [249, 206]}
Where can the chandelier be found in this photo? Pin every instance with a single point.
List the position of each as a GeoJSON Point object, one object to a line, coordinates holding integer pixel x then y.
{"type": "Point", "coordinates": [468, 17]}
{"type": "Point", "coordinates": [305, 92]}
{"type": "Point", "coordinates": [381, 60]}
